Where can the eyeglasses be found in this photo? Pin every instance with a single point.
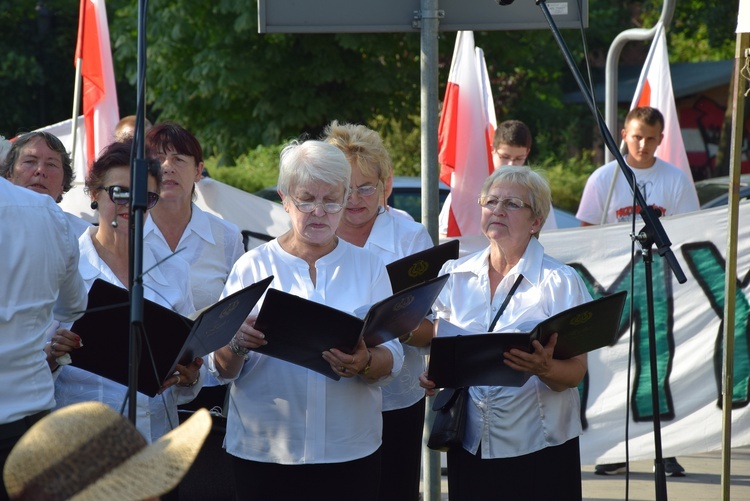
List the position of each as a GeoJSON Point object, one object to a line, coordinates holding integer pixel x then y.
{"type": "Point", "coordinates": [308, 207]}
{"type": "Point", "coordinates": [120, 195]}
{"type": "Point", "coordinates": [509, 204]}
{"type": "Point", "coordinates": [364, 191]}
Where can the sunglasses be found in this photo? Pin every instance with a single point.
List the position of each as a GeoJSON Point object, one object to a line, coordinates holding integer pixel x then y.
{"type": "Point", "coordinates": [120, 195]}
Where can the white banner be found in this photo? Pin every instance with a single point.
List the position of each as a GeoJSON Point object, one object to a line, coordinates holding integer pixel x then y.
{"type": "Point", "coordinates": [688, 321]}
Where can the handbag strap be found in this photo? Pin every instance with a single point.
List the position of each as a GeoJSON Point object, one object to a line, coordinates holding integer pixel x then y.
{"type": "Point", "coordinates": [506, 301]}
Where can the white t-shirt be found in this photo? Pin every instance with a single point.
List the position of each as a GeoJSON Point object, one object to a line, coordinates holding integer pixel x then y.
{"type": "Point", "coordinates": [40, 285]}
{"type": "Point", "coordinates": [209, 244]}
{"type": "Point", "coordinates": [283, 413]}
{"type": "Point", "coordinates": [662, 185]}
{"type": "Point", "coordinates": [509, 421]}
{"type": "Point", "coordinates": [168, 285]}
{"type": "Point", "coordinates": [391, 238]}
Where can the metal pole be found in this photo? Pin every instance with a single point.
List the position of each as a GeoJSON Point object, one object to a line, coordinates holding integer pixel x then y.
{"type": "Point", "coordinates": [742, 53]}
{"type": "Point", "coordinates": [429, 114]}
{"type": "Point", "coordinates": [429, 139]}
{"type": "Point", "coordinates": [76, 108]}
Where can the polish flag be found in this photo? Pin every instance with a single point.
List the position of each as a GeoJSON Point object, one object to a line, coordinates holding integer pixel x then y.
{"type": "Point", "coordinates": [467, 126]}
{"type": "Point", "coordinates": [655, 89]}
{"type": "Point", "coordinates": [99, 93]}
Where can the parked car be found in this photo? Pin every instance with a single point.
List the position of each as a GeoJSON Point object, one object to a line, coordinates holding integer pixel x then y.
{"type": "Point", "coordinates": [714, 192]}
{"type": "Point", "coordinates": [407, 195]}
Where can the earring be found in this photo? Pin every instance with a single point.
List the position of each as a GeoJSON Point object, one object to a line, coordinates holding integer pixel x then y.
{"type": "Point", "coordinates": [94, 205]}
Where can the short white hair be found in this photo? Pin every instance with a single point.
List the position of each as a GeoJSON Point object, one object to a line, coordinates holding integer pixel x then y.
{"type": "Point", "coordinates": [307, 162]}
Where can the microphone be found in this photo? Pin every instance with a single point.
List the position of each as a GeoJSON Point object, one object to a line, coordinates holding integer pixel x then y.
{"type": "Point", "coordinates": [504, 2]}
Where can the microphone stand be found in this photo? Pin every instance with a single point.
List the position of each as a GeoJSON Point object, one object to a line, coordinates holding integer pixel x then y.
{"type": "Point", "coordinates": [645, 240]}
{"type": "Point", "coordinates": [653, 233]}
{"type": "Point", "coordinates": [138, 205]}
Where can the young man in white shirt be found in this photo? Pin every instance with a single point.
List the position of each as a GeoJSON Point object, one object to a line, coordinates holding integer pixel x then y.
{"type": "Point", "coordinates": [664, 186]}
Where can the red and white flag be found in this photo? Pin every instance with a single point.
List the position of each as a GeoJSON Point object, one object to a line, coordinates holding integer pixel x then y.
{"type": "Point", "coordinates": [99, 93]}
{"type": "Point", "coordinates": [655, 89]}
{"type": "Point", "coordinates": [465, 133]}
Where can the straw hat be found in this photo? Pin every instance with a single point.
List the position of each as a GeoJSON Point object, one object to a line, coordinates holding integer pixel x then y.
{"type": "Point", "coordinates": [88, 451]}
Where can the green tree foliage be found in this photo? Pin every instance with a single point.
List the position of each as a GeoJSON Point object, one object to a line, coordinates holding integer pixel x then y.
{"type": "Point", "coordinates": [37, 43]}
{"type": "Point", "coordinates": [243, 93]}
{"type": "Point", "coordinates": [259, 168]}
{"type": "Point", "coordinates": [209, 69]}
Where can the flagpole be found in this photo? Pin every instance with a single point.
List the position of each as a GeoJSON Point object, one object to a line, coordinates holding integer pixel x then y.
{"type": "Point", "coordinates": [730, 283]}
{"type": "Point", "coordinates": [77, 83]}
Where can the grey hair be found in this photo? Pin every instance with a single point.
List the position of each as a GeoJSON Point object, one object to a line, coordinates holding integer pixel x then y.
{"type": "Point", "coordinates": [540, 196]}
{"type": "Point", "coordinates": [302, 163]}
{"type": "Point", "coordinates": [7, 166]}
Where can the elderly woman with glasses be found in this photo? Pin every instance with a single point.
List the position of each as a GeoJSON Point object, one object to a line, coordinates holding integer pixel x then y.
{"type": "Point", "coordinates": [290, 429]}
{"type": "Point", "coordinates": [366, 224]}
{"type": "Point", "coordinates": [520, 442]}
{"type": "Point", "coordinates": [104, 251]}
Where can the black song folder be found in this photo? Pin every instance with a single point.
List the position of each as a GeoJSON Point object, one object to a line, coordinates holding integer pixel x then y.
{"type": "Point", "coordinates": [299, 330]}
{"type": "Point", "coordinates": [459, 358]}
{"type": "Point", "coordinates": [420, 266]}
{"type": "Point", "coordinates": [168, 336]}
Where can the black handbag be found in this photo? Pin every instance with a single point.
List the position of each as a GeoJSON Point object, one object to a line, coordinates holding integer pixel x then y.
{"type": "Point", "coordinates": [450, 420]}
{"type": "Point", "coordinates": [450, 404]}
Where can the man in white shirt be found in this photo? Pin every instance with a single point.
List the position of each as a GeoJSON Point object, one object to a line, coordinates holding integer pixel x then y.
{"type": "Point", "coordinates": [41, 284]}
{"type": "Point", "coordinates": [664, 186]}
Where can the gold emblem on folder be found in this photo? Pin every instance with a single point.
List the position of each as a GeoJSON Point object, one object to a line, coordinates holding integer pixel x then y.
{"type": "Point", "coordinates": [228, 309]}
{"type": "Point", "coordinates": [406, 301]}
{"type": "Point", "coordinates": [419, 268]}
{"type": "Point", "coordinates": [581, 318]}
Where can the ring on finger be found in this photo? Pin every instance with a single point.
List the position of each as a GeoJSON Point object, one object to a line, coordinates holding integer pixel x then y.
{"type": "Point", "coordinates": [178, 379]}
{"type": "Point", "coordinates": [52, 347]}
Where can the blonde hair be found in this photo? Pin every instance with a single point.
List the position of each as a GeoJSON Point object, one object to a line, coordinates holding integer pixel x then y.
{"type": "Point", "coordinates": [362, 147]}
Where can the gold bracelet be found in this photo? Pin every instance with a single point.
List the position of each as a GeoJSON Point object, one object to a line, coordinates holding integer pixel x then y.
{"type": "Point", "coordinates": [408, 338]}
{"type": "Point", "coordinates": [369, 361]}
{"type": "Point", "coordinates": [190, 385]}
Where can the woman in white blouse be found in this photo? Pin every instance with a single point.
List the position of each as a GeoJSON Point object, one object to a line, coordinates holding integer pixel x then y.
{"type": "Point", "coordinates": [104, 255]}
{"type": "Point", "coordinates": [520, 443]}
{"type": "Point", "coordinates": [367, 224]}
{"type": "Point", "coordinates": [208, 243]}
{"type": "Point", "coordinates": [291, 430]}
